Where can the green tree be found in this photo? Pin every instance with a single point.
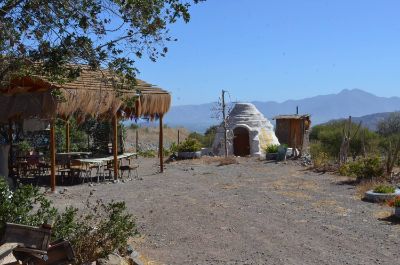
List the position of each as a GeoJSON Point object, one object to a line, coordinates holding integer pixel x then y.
{"type": "Point", "coordinates": [389, 129]}
{"type": "Point", "coordinates": [330, 136]}
{"type": "Point", "coordinates": [78, 137]}
{"type": "Point", "coordinates": [207, 139]}
{"type": "Point", "coordinates": [46, 37]}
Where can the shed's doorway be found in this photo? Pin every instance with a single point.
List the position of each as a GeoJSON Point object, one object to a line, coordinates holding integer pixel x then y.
{"type": "Point", "coordinates": [241, 142]}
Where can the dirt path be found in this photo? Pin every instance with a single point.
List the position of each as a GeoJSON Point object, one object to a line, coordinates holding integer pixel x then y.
{"type": "Point", "coordinates": [249, 213]}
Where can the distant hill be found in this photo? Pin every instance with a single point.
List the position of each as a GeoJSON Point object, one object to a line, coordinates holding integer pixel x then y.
{"type": "Point", "coordinates": [371, 121]}
{"type": "Point", "coordinates": [322, 108]}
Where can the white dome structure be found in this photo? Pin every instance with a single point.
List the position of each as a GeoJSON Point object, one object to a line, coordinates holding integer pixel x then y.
{"type": "Point", "coordinates": [249, 132]}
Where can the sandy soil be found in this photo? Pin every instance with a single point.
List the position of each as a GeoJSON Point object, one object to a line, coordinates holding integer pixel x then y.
{"type": "Point", "coordinates": [249, 213]}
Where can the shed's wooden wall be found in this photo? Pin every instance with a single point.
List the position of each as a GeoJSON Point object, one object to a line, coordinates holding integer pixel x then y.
{"type": "Point", "coordinates": [290, 132]}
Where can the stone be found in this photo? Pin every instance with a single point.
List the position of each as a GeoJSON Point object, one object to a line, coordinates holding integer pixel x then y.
{"type": "Point", "coordinates": [6, 255]}
{"type": "Point", "coordinates": [113, 259]}
{"type": "Point", "coordinates": [245, 117]}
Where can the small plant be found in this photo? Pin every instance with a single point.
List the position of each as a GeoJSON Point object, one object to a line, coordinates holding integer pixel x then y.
{"type": "Point", "coordinates": [386, 189]}
{"type": "Point", "coordinates": [395, 202]}
{"type": "Point", "coordinates": [134, 126]}
{"type": "Point", "coordinates": [24, 146]}
{"type": "Point", "coordinates": [189, 145]}
{"type": "Point", "coordinates": [271, 149]}
{"type": "Point", "coordinates": [147, 153]}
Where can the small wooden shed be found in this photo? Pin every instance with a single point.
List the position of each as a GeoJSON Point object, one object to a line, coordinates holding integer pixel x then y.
{"type": "Point", "coordinates": [293, 130]}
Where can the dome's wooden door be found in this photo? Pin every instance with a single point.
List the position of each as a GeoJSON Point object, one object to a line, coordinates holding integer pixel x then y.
{"type": "Point", "coordinates": [241, 142]}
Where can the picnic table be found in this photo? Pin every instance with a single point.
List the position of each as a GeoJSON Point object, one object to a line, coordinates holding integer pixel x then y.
{"type": "Point", "coordinates": [99, 162]}
{"type": "Point", "coordinates": [74, 154]}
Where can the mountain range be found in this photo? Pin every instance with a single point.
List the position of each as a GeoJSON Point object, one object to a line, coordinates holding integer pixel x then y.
{"type": "Point", "coordinates": [323, 108]}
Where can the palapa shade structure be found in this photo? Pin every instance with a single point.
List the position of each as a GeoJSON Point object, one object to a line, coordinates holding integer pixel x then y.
{"type": "Point", "coordinates": [93, 93]}
{"type": "Point", "coordinates": [100, 94]}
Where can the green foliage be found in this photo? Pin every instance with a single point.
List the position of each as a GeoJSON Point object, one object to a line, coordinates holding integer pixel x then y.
{"type": "Point", "coordinates": [147, 153]}
{"type": "Point", "coordinates": [319, 156]}
{"type": "Point", "coordinates": [97, 33]}
{"type": "Point", "coordinates": [207, 138]}
{"type": "Point", "coordinates": [134, 126]}
{"type": "Point", "coordinates": [330, 136]}
{"type": "Point", "coordinates": [77, 136]}
{"type": "Point", "coordinates": [26, 205]}
{"type": "Point", "coordinates": [99, 232]}
{"type": "Point", "coordinates": [189, 145]}
{"type": "Point", "coordinates": [272, 149]}
{"type": "Point", "coordinates": [389, 129]}
{"type": "Point", "coordinates": [384, 189]}
{"type": "Point", "coordinates": [364, 168]}
{"type": "Point", "coordinates": [24, 146]}
{"type": "Point", "coordinates": [95, 234]}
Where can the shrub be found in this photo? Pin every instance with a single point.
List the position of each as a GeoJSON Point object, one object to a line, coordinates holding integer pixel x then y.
{"type": "Point", "coordinates": [365, 168]}
{"type": "Point", "coordinates": [134, 126]}
{"type": "Point", "coordinates": [147, 153]}
{"type": "Point", "coordinates": [189, 145]}
{"type": "Point", "coordinates": [207, 139]}
{"type": "Point", "coordinates": [384, 189]}
{"type": "Point", "coordinates": [94, 235]}
{"type": "Point", "coordinates": [272, 149]}
{"type": "Point", "coordinates": [26, 205]}
{"type": "Point", "coordinates": [319, 157]}
{"type": "Point", "coordinates": [330, 135]}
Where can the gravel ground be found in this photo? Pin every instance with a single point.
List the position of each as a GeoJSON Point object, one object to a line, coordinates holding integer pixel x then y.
{"type": "Point", "coordinates": [248, 213]}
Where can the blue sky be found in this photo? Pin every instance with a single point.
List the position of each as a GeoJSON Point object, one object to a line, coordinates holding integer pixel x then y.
{"type": "Point", "coordinates": [283, 49]}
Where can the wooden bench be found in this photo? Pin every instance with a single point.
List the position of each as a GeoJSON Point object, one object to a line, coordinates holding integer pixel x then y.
{"type": "Point", "coordinates": [31, 245]}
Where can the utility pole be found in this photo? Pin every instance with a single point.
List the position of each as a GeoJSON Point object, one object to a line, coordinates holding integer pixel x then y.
{"type": "Point", "coordinates": [224, 120]}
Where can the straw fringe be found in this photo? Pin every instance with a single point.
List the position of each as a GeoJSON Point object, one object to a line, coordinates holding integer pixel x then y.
{"type": "Point", "coordinates": [90, 95]}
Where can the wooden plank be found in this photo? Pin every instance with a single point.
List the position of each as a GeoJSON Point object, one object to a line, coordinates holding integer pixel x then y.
{"type": "Point", "coordinates": [52, 156]}
{"type": "Point", "coordinates": [160, 146]}
{"type": "Point", "coordinates": [27, 236]}
{"type": "Point", "coordinates": [58, 254]}
{"type": "Point", "coordinates": [67, 137]}
{"type": "Point", "coordinates": [115, 146]}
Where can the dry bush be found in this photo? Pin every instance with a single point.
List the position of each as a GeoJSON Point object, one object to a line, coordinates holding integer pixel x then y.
{"type": "Point", "coordinates": [227, 161]}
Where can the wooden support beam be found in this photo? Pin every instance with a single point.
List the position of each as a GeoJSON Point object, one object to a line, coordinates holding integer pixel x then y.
{"type": "Point", "coordinates": [67, 137]}
{"type": "Point", "coordinates": [160, 146]}
{"type": "Point", "coordinates": [137, 142]}
{"type": "Point", "coordinates": [52, 156]}
{"type": "Point", "coordinates": [10, 152]}
{"type": "Point", "coordinates": [115, 145]}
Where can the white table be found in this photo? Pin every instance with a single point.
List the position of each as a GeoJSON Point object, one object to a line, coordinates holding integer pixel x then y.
{"type": "Point", "coordinates": [101, 161]}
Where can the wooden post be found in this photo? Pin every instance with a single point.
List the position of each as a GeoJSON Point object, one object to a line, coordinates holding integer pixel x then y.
{"type": "Point", "coordinates": [160, 146]}
{"type": "Point", "coordinates": [178, 137]}
{"type": "Point", "coordinates": [137, 142]}
{"type": "Point", "coordinates": [52, 157]}
{"type": "Point", "coordinates": [224, 123]}
{"type": "Point", "coordinates": [115, 145]}
{"type": "Point", "coordinates": [67, 139]}
{"type": "Point", "coordinates": [10, 153]}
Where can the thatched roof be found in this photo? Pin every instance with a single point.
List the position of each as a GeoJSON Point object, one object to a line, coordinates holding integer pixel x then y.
{"type": "Point", "coordinates": [93, 93]}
